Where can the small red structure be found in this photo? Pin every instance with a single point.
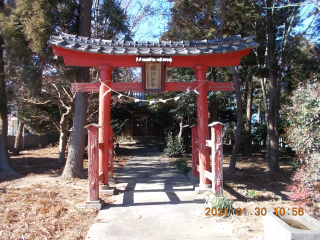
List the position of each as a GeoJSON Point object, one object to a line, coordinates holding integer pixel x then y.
{"type": "Point", "coordinates": [107, 54]}
{"type": "Point", "coordinates": [93, 165]}
{"type": "Point", "coordinates": [216, 144]}
{"type": "Point", "coordinates": [93, 168]}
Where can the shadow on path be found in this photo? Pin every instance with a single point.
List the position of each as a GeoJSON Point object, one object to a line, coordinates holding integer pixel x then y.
{"type": "Point", "coordinates": [155, 202]}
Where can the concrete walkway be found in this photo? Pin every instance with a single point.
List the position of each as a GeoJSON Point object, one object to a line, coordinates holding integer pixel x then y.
{"type": "Point", "coordinates": [156, 203]}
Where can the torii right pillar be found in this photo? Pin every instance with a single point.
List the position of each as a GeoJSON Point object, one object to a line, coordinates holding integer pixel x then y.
{"type": "Point", "coordinates": [203, 130]}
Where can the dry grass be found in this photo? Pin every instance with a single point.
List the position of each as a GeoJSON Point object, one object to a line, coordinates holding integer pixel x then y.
{"type": "Point", "coordinates": [39, 204]}
{"type": "Point", "coordinates": [38, 213]}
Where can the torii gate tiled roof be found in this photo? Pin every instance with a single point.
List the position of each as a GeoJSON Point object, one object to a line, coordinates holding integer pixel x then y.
{"type": "Point", "coordinates": [160, 48]}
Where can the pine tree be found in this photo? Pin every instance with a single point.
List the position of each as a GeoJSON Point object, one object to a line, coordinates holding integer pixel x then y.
{"type": "Point", "coordinates": [31, 61]}
{"type": "Point", "coordinates": [5, 165]}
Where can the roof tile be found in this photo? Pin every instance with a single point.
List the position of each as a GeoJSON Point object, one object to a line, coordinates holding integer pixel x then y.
{"type": "Point", "coordinates": [160, 48]}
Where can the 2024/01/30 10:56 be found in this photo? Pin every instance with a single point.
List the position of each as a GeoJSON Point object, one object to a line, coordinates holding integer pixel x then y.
{"type": "Point", "coordinates": [259, 211]}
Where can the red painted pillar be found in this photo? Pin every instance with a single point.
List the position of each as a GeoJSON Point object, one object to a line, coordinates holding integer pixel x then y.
{"type": "Point", "coordinates": [104, 120]}
{"type": "Point", "coordinates": [217, 161]}
{"type": "Point", "coordinates": [195, 150]}
{"type": "Point", "coordinates": [93, 166]}
{"type": "Point", "coordinates": [203, 130]}
{"type": "Point", "coordinates": [111, 152]}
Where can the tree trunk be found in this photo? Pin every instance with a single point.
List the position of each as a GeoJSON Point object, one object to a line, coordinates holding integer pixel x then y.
{"type": "Point", "coordinates": [63, 144]}
{"type": "Point", "coordinates": [247, 139]}
{"type": "Point", "coordinates": [18, 140]}
{"type": "Point", "coordinates": [236, 146]}
{"type": "Point", "coordinates": [266, 110]}
{"type": "Point", "coordinates": [181, 128]}
{"type": "Point", "coordinates": [259, 114]}
{"type": "Point", "coordinates": [5, 165]}
{"type": "Point", "coordinates": [235, 78]}
{"type": "Point", "coordinates": [273, 117]}
{"type": "Point", "coordinates": [63, 140]}
{"type": "Point", "coordinates": [74, 164]}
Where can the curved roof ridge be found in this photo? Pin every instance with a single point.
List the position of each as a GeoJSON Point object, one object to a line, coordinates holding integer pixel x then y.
{"type": "Point", "coordinates": [148, 48]}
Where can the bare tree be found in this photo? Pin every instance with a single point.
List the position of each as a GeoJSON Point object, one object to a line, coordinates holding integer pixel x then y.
{"type": "Point", "coordinates": [145, 12]}
{"type": "Point", "coordinates": [66, 107]}
{"type": "Point", "coordinates": [56, 88]}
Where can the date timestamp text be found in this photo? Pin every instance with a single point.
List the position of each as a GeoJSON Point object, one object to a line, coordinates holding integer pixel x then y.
{"type": "Point", "coordinates": [258, 211]}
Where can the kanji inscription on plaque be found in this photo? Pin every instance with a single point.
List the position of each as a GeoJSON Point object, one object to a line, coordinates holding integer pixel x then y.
{"type": "Point", "coordinates": [153, 75]}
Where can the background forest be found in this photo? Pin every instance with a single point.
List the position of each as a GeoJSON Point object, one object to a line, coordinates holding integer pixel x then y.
{"type": "Point", "coordinates": [276, 87]}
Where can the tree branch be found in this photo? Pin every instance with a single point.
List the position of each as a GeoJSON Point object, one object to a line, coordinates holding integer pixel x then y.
{"type": "Point", "coordinates": [34, 102]}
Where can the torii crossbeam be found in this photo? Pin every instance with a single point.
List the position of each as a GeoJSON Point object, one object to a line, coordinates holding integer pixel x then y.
{"type": "Point", "coordinates": [107, 54]}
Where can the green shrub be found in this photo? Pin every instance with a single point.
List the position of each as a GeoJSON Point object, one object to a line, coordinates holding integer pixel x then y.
{"type": "Point", "coordinates": [220, 202]}
{"type": "Point", "coordinates": [174, 146]}
{"type": "Point", "coordinates": [259, 132]}
{"type": "Point", "coordinates": [181, 164]}
{"type": "Point", "coordinates": [303, 136]}
{"type": "Point", "coordinates": [251, 194]}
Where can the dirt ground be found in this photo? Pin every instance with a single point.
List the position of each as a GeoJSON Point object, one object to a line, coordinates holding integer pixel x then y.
{"type": "Point", "coordinates": [41, 205]}
{"type": "Point", "coordinates": [253, 190]}
{"type": "Point", "coordinates": [252, 187]}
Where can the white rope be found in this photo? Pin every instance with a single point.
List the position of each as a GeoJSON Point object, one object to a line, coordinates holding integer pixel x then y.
{"type": "Point", "coordinates": [151, 101]}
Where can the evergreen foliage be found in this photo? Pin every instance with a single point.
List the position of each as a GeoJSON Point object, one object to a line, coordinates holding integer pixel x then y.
{"type": "Point", "coordinates": [268, 72]}
{"type": "Point", "coordinates": [174, 146]}
{"type": "Point", "coordinates": [110, 20]}
{"type": "Point", "coordinates": [303, 135]}
{"type": "Point", "coordinates": [117, 126]}
{"type": "Point", "coordinates": [259, 132]}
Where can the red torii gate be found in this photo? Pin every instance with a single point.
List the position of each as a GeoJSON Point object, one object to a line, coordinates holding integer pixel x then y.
{"type": "Point", "coordinates": [107, 54]}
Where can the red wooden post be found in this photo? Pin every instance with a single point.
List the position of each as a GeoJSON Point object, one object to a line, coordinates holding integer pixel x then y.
{"type": "Point", "coordinates": [195, 150]}
{"type": "Point", "coordinates": [203, 131]}
{"type": "Point", "coordinates": [217, 154]}
{"type": "Point", "coordinates": [111, 152]}
{"type": "Point", "coordinates": [104, 119]}
{"type": "Point", "coordinates": [93, 168]}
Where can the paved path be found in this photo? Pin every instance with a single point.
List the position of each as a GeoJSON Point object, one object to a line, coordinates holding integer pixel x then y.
{"type": "Point", "coordinates": [156, 203]}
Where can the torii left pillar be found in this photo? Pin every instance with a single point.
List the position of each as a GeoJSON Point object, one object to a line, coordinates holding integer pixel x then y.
{"type": "Point", "coordinates": [203, 130]}
{"type": "Point", "coordinates": [104, 122]}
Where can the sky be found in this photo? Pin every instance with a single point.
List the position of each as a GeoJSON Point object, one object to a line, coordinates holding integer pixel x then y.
{"type": "Point", "coordinates": [307, 20]}
{"type": "Point", "coordinates": [151, 27]}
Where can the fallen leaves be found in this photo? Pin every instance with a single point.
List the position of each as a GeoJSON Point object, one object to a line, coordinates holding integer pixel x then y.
{"type": "Point", "coordinates": [40, 205]}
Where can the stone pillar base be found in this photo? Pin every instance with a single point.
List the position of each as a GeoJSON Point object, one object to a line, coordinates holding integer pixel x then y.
{"type": "Point", "coordinates": [105, 189]}
{"type": "Point", "coordinates": [112, 181]}
{"type": "Point", "coordinates": [192, 178]}
{"type": "Point", "coordinates": [203, 188]}
{"type": "Point", "coordinates": [94, 204]}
